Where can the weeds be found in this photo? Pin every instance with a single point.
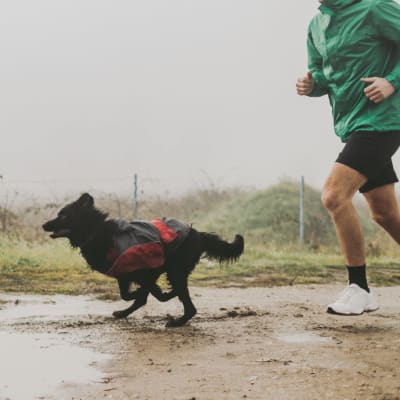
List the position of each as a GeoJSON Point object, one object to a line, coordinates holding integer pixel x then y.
{"type": "Point", "coordinates": [52, 267]}
{"type": "Point", "coordinates": [31, 262]}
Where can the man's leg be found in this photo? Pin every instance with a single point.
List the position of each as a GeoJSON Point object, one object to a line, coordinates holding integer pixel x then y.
{"type": "Point", "coordinates": [338, 192]}
{"type": "Point", "coordinates": [364, 164]}
{"type": "Point", "coordinates": [384, 208]}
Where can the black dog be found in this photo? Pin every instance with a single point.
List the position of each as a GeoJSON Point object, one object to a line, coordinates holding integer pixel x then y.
{"type": "Point", "coordinates": [140, 252]}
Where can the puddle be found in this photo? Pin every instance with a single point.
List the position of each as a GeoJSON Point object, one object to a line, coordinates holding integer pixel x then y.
{"type": "Point", "coordinates": [35, 365]}
{"type": "Point", "coordinates": [47, 308]}
{"type": "Point", "coordinates": [304, 337]}
{"type": "Point", "coordinates": [32, 366]}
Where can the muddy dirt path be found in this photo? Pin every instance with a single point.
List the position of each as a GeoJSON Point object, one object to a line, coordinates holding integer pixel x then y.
{"type": "Point", "coordinates": [256, 343]}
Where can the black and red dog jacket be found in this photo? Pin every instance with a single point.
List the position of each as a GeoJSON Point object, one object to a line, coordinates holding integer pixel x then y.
{"type": "Point", "coordinates": [140, 244]}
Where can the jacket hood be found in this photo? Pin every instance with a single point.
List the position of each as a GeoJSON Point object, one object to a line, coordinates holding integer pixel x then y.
{"type": "Point", "coordinates": [338, 4]}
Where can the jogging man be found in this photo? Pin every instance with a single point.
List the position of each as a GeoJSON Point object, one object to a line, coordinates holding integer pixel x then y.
{"type": "Point", "coordinates": [354, 58]}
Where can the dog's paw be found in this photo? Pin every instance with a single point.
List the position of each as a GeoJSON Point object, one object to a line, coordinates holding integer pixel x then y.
{"type": "Point", "coordinates": [175, 323]}
{"type": "Point", "coordinates": [120, 314]}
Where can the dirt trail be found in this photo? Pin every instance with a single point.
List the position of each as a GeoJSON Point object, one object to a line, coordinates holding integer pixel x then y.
{"type": "Point", "coordinates": [256, 343]}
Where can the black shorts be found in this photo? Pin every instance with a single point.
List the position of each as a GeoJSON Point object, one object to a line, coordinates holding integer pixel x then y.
{"type": "Point", "coordinates": [370, 153]}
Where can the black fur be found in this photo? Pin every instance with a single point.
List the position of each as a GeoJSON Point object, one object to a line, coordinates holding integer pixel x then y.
{"type": "Point", "coordinates": [89, 229]}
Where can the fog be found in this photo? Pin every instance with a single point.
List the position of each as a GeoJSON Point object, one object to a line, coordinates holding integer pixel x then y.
{"type": "Point", "coordinates": [187, 94]}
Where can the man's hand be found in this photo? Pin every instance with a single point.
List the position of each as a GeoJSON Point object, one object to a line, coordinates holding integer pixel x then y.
{"type": "Point", "coordinates": [305, 85]}
{"type": "Point", "coordinates": [378, 90]}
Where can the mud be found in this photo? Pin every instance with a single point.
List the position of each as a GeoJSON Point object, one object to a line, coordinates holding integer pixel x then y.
{"type": "Point", "coordinates": [256, 343]}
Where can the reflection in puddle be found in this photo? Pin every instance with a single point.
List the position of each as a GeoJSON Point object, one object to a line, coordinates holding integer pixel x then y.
{"type": "Point", "coordinates": [302, 338]}
{"type": "Point", "coordinates": [33, 365]}
{"type": "Point", "coordinates": [48, 308]}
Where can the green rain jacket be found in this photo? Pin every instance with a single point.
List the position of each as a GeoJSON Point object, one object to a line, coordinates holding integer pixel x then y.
{"type": "Point", "coordinates": [349, 40]}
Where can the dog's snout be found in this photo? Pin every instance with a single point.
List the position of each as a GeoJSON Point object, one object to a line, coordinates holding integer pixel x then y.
{"type": "Point", "coordinates": [48, 226]}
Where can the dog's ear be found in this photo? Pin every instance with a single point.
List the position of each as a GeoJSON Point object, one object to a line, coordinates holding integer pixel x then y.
{"type": "Point", "coordinates": [86, 200]}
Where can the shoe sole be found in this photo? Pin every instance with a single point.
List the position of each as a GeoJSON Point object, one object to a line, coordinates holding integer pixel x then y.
{"type": "Point", "coordinates": [332, 311]}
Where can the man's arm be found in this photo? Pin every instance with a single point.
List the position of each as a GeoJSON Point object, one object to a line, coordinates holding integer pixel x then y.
{"type": "Point", "coordinates": [320, 84]}
{"type": "Point", "coordinates": [386, 18]}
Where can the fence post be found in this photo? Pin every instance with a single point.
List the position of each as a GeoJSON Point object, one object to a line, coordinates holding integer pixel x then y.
{"type": "Point", "coordinates": [302, 210]}
{"type": "Point", "coordinates": [135, 196]}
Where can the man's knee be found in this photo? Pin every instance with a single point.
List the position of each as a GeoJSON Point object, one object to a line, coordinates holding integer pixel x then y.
{"type": "Point", "coordinates": [383, 216]}
{"type": "Point", "coordinates": [340, 187]}
{"type": "Point", "coordinates": [332, 200]}
{"type": "Point", "coordinates": [383, 205]}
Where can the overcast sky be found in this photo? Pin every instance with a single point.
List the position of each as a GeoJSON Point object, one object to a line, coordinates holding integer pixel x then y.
{"type": "Point", "coordinates": [186, 93]}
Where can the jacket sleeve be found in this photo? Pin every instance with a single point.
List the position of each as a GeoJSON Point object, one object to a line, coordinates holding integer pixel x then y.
{"type": "Point", "coordinates": [386, 18]}
{"type": "Point", "coordinates": [315, 67]}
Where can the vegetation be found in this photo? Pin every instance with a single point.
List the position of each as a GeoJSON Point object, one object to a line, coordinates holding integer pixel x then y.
{"type": "Point", "coordinates": [269, 220]}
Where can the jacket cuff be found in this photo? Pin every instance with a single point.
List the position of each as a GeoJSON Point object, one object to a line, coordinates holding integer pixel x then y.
{"type": "Point", "coordinates": [320, 86]}
{"type": "Point", "coordinates": [394, 79]}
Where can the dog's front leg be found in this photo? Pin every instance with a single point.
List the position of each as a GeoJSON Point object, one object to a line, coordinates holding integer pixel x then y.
{"type": "Point", "coordinates": [140, 300]}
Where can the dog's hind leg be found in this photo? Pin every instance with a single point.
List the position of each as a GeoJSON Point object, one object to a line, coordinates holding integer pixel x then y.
{"type": "Point", "coordinates": [124, 290]}
{"type": "Point", "coordinates": [140, 300]}
{"type": "Point", "coordinates": [156, 291]}
{"type": "Point", "coordinates": [188, 307]}
{"type": "Point", "coordinates": [180, 287]}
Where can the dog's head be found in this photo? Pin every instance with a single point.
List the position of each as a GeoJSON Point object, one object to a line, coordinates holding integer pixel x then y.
{"type": "Point", "coordinates": [75, 221]}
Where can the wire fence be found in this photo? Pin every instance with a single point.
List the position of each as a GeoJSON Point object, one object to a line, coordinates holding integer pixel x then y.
{"type": "Point", "coordinates": [26, 203]}
{"type": "Point", "coordinates": [135, 185]}
{"type": "Point", "coordinates": [24, 190]}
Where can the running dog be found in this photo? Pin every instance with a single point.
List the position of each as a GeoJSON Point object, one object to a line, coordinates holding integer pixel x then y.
{"type": "Point", "coordinates": [140, 251]}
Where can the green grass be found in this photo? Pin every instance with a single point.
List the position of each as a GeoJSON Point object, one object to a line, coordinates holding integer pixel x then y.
{"type": "Point", "coordinates": [48, 268]}
{"type": "Point", "coordinates": [51, 267]}
{"type": "Point", "coordinates": [268, 219]}
{"type": "Point", "coordinates": [270, 266]}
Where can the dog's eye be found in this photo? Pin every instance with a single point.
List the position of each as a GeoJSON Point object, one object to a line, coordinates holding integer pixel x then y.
{"type": "Point", "coordinates": [62, 217]}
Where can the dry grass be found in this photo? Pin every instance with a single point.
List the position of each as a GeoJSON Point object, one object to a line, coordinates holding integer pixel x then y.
{"type": "Point", "coordinates": [31, 262]}
{"type": "Point", "coordinates": [51, 267]}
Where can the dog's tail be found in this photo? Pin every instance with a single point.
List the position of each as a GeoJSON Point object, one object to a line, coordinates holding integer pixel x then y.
{"type": "Point", "coordinates": [220, 250]}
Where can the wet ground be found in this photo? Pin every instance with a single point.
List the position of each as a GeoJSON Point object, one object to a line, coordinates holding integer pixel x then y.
{"type": "Point", "coordinates": [256, 343]}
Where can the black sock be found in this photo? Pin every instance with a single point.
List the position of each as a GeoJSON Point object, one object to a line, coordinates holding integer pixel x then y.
{"type": "Point", "coordinates": [358, 275]}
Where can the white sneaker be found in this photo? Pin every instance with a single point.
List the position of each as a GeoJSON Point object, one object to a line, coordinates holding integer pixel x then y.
{"type": "Point", "coordinates": [353, 301]}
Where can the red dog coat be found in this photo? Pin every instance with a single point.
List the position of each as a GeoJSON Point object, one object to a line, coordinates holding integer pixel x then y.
{"type": "Point", "coordinates": [140, 245]}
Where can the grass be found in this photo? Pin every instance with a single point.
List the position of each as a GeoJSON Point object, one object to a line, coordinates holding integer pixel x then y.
{"type": "Point", "coordinates": [270, 266]}
{"type": "Point", "coordinates": [266, 218]}
{"type": "Point", "coordinates": [52, 267]}
{"type": "Point", "coordinates": [48, 268]}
